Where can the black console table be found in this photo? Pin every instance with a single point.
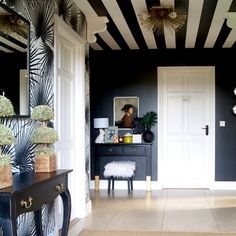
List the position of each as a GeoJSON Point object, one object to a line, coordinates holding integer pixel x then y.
{"type": "Point", "coordinates": [106, 152]}
{"type": "Point", "coordinates": [29, 192]}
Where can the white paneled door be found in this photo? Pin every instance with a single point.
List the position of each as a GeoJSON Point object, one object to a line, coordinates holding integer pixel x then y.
{"type": "Point", "coordinates": [186, 117]}
{"type": "Point", "coordinates": [70, 113]}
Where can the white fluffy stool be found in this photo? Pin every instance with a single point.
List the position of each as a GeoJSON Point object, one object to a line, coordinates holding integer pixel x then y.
{"type": "Point", "coordinates": [120, 170]}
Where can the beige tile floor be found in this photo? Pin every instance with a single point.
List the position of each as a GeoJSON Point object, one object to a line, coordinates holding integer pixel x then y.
{"type": "Point", "coordinates": [163, 210]}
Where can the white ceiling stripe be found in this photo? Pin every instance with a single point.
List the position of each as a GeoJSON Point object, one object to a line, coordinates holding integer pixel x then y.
{"type": "Point", "coordinates": [217, 22]}
{"type": "Point", "coordinates": [147, 34]}
{"type": "Point", "coordinates": [109, 40]}
{"type": "Point", "coordinates": [5, 50]}
{"type": "Point", "coordinates": [229, 42]}
{"type": "Point", "coordinates": [194, 16]}
{"type": "Point", "coordinates": [7, 42]}
{"type": "Point", "coordinates": [95, 46]}
{"type": "Point", "coordinates": [118, 18]}
{"type": "Point", "coordinates": [169, 33]}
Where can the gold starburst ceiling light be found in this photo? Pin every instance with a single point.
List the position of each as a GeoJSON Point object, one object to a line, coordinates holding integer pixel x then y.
{"type": "Point", "coordinates": [158, 17]}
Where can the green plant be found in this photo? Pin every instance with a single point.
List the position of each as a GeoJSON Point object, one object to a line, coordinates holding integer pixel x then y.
{"type": "Point", "coordinates": [6, 135]}
{"type": "Point", "coordinates": [44, 135]}
{"type": "Point", "coordinates": [6, 108]}
{"type": "Point", "coordinates": [42, 113]}
{"type": "Point", "coordinates": [149, 119]}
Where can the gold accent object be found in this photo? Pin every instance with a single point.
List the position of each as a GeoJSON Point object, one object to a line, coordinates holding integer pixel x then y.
{"type": "Point", "coordinates": [59, 187]}
{"type": "Point", "coordinates": [149, 183]}
{"type": "Point", "coordinates": [26, 203]}
{"type": "Point", "coordinates": [96, 183]}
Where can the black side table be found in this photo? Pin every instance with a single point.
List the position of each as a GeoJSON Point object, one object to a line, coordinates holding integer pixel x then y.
{"type": "Point", "coordinates": [29, 192]}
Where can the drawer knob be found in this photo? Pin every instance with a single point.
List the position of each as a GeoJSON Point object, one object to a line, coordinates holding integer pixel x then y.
{"type": "Point", "coordinates": [59, 187]}
{"type": "Point", "coordinates": [110, 149]}
{"type": "Point", "coordinates": [26, 203]}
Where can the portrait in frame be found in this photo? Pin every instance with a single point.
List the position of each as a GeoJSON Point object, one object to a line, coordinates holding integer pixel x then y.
{"type": "Point", "coordinates": [119, 103]}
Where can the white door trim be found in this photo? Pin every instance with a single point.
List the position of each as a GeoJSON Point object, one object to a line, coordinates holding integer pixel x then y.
{"type": "Point", "coordinates": [160, 84]}
{"type": "Point", "coordinates": [78, 181]}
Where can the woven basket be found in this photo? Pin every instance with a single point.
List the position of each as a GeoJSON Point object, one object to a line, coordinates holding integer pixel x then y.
{"type": "Point", "coordinates": [5, 176]}
{"type": "Point", "coordinates": [45, 163]}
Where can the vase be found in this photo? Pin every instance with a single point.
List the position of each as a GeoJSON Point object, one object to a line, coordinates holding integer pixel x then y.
{"type": "Point", "coordinates": [148, 136]}
{"type": "Point", "coordinates": [6, 176]}
{"type": "Point", "coordinates": [45, 163]}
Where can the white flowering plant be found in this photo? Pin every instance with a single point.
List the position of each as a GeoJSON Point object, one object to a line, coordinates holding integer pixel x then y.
{"type": "Point", "coordinates": [6, 107]}
{"type": "Point", "coordinates": [44, 135]}
{"type": "Point", "coordinates": [44, 150]}
{"type": "Point", "coordinates": [5, 159]}
{"type": "Point", "coordinates": [6, 136]}
{"type": "Point", "coordinates": [42, 113]}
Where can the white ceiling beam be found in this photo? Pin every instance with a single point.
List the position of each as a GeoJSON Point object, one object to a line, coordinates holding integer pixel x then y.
{"type": "Point", "coordinates": [217, 22]}
{"type": "Point", "coordinates": [95, 46]}
{"type": "Point", "coordinates": [96, 24]}
{"type": "Point", "coordinates": [118, 18]}
{"type": "Point", "coordinates": [109, 40]}
{"type": "Point", "coordinates": [148, 35]}
{"type": "Point", "coordinates": [194, 16]}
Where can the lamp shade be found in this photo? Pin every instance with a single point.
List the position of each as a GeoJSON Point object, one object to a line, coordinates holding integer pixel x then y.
{"type": "Point", "coordinates": [100, 123]}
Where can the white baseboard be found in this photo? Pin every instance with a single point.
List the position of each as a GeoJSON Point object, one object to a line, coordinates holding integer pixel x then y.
{"type": "Point", "coordinates": [137, 185]}
{"type": "Point", "coordinates": [223, 185]}
{"type": "Point", "coordinates": [141, 185]}
{"type": "Point", "coordinates": [88, 208]}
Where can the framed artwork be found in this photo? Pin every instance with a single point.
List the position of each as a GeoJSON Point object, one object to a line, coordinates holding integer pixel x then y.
{"type": "Point", "coordinates": [110, 133]}
{"type": "Point", "coordinates": [119, 113]}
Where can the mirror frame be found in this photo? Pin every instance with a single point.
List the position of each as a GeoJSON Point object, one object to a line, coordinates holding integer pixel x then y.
{"type": "Point", "coordinates": [11, 11]}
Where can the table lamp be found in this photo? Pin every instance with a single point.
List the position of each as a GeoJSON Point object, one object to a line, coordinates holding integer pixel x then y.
{"type": "Point", "coordinates": [101, 124]}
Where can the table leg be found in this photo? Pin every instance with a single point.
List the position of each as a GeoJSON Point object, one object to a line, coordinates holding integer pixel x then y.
{"type": "Point", "coordinates": [38, 222]}
{"type": "Point", "coordinates": [148, 183]}
{"type": "Point", "coordinates": [9, 227]}
{"type": "Point", "coordinates": [97, 183]}
{"type": "Point", "coordinates": [66, 199]}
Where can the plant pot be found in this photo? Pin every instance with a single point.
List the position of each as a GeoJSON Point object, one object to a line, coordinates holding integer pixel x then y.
{"type": "Point", "coordinates": [45, 163]}
{"type": "Point", "coordinates": [6, 176]}
{"type": "Point", "coordinates": [148, 136]}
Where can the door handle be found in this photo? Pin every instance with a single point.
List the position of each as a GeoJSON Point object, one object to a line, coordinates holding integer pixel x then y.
{"type": "Point", "coordinates": [206, 129]}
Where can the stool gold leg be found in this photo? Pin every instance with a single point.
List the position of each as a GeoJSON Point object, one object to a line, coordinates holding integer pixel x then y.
{"type": "Point", "coordinates": [96, 182]}
{"type": "Point", "coordinates": [148, 183]}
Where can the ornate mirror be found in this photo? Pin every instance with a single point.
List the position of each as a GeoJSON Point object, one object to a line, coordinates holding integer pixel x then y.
{"type": "Point", "coordinates": [14, 59]}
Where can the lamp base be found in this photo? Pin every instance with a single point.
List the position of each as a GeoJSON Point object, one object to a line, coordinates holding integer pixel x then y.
{"type": "Point", "coordinates": [100, 137]}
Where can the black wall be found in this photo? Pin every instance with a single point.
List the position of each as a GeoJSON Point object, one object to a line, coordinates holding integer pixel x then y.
{"type": "Point", "coordinates": [134, 73]}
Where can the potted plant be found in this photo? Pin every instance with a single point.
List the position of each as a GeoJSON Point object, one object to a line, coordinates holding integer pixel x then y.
{"type": "Point", "coordinates": [44, 137]}
{"type": "Point", "coordinates": [149, 120]}
{"type": "Point", "coordinates": [6, 138]}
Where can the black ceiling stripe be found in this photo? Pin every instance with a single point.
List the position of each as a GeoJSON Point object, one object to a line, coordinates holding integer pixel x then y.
{"type": "Point", "coordinates": [181, 7]}
{"type": "Point", "coordinates": [132, 22]}
{"type": "Point", "coordinates": [8, 47]}
{"type": "Point", "coordinates": [233, 6]}
{"type": "Point", "coordinates": [100, 10]}
{"type": "Point", "coordinates": [223, 35]}
{"type": "Point", "coordinates": [101, 43]}
{"type": "Point", "coordinates": [208, 11]}
{"type": "Point", "coordinates": [150, 3]}
{"type": "Point", "coordinates": [13, 40]}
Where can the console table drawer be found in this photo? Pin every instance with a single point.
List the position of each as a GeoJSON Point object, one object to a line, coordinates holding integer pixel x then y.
{"type": "Point", "coordinates": [42, 194]}
{"type": "Point", "coordinates": [134, 150]}
{"type": "Point", "coordinates": [109, 150]}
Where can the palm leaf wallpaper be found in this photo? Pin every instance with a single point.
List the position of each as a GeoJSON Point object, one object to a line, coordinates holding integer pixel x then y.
{"type": "Point", "coordinates": [40, 14]}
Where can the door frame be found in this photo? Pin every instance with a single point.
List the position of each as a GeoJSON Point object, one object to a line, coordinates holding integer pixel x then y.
{"type": "Point", "coordinates": [79, 147]}
{"type": "Point", "coordinates": [160, 143]}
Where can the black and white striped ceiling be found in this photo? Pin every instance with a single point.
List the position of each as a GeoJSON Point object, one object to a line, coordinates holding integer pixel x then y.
{"type": "Point", "coordinates": [13, 33]}
{"type": "Point", "coordinates": [205, 27]}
